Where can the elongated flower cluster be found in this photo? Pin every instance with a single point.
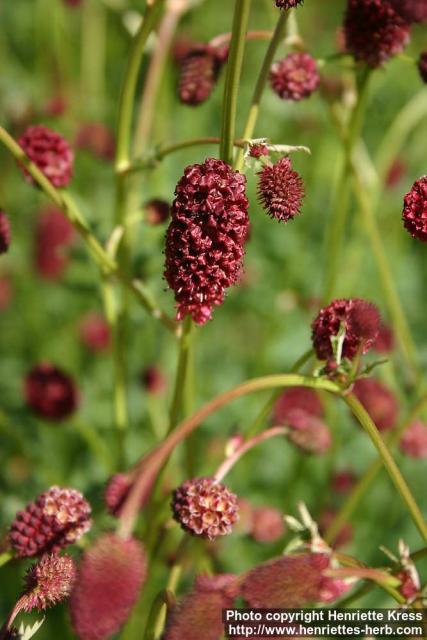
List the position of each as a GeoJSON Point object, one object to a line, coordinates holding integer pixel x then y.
{"type": "Point", "coordinates": [54, 235]}
{"type": "Point", "coordinates": [357, 320]}
{"type": "Point", "coordinates": [374, 31]}
{"type": "Point", "coordinates": [57, 518]}
{"type": "Point", "coordinates": [205, 239]}
{"type": "Point", "coordinates": [110, 578]}
{"type": "Point", "coordinates": [422, 66]}
{"type": "Point", "coordinates": [295, 77]}
{"type": "Point", "coordinates": [50, 392]}
{"type": "Point", "coordinates": [48, 582]}
{"type": "Point", "coordinates": [415, 210]}
{"type": "Point", "coordinates": [204, 507]}
{"type": "Point", "coordinates": [50, 152]}
{"type": "Point", "coordinates": [379, 401]}
{"type": "Point", "coordinates": [199, 72]}
{"type": "Point", "coordinates": [4, 232]}
{"type": "Point", "coordinates": [280, 190]}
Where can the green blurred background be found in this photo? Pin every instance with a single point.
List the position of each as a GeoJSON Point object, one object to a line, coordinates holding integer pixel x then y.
{"type": "Point", "coordinates": [49, 49]}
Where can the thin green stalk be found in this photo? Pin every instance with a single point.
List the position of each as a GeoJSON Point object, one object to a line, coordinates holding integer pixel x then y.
{"type": "Point", "coordinates": [388, 461]}
{"type": "Point", "coordinates": [336, 227]}
{"type": "Point", "coordinates": [6, 557]}
{"type": "Point", "coordinates": [181, 373]}
{"type": "Point", "coordinates": [261, 82]}
{"type": "Point", "coordinates": [93, 54]}
{"type": "Point", "coordinates": [232, 81]}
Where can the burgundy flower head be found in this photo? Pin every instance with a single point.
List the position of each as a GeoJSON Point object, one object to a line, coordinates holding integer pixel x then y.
{"type": "Point", "coordinates": [356, 317]}
{"type": "Point", "coordinates": [343, 481]}
{"type": "Point", "coordinates": [308, 433]}
{"type": "Point", "coordinates": [280, 190]}
{"type": "Point", "coordinates": [288, 4]}
{"type": "Point", "coordinates": [48, 582]}
{"type": "Point", "coordinates": [295, 77]}
{"type": "Point", "coordinates": [96, 138]}
{"type": "Point", "coordinates": [379, 401]}
{"type": "Point", "coordinates": [258, 150]}
{"type": "Point", "coordinates": [205, 239]}
{"type": "Point", "coordinates": [268, 524]}
{"type": "Point", "coordinates": [50, 152]}
{"type": "Point", "coordinates": [414, 441]}
{"type": "Point", "coordinates": [411, 10]}
{"type": "Point", "coordinates": [374, 32]}
{"type": "Point", "coordinates": [415, 210]}
{"type": "Point", "coordinates": [156, 211]}
{"type": "Point", "coordinates": [50, 392]}
{"type": "Point", "coordinates": [57, 518]}
{"type": "Point", "coordinates": [422, 66]}
{"type": "Point", "coordinates": [286, 582]}
{"type": "Point", "coordinates": [297, 398]}
{"type": "Point", "coordinates": [110, 577]}
{"type": "Point", "coordinates": [204, 507]}
{"type": "Point", "coordinates": [4, 232]}
{"type": "Point", "coordinates": [95, 333]}
{"type": "Point", "coordinates": [54, 235]}
{"type": "Point", "coordinates": [153, 380]}
{"type": "Point", "coordinates": [199, 72]}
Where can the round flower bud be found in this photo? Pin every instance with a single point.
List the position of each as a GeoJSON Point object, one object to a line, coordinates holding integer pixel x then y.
{"type": "Point", "coordinates": [415, 210]}
{"type": "Point", "coordinates": [280, 190]}
{"type": "Point", "coordinates": [422, 66]}
{"type": "Point", "coordinates": [48, 582]}
{"type": "Point", "coordinates": [309, 433]}
{"type": "Point", "coordinates": [204, 507]}
{"type": "Point", "coordinates": [153, 380]}
{"type": "Point", "coordinates": [54, 234]}
{"type": "Point", "coordinates": [379, 401]}
{"type": "Point", "coordinates": [414, 441]}
{"type": "Point", "coordinates": [374, 32]}
{"type": "Point", "coordinates": [95, 333]}
{"type": "Point", "coordinates": [343, 481]}
{"type": "Point", "coordinates": [50, 152]}
{"type": "Point", "coordinates": [268, 525]}
{"type": "Point", "coordinates": [199, 72]}
{"type": "Point", "coordinates": [206, 236]}
{"type": "Point", "coordinates": [156, 211]}
{"type": "Point", "coordinates": [57, 518]}
{"type": "Point", "coordinates": [50, 392]}
{"type": "Point", "coordinates": [295, 77]}
{"type": "Point", "coordinates": [297, 398]}
{"type": "Point", "coordinates": [110, 578]}
{"type": "Point", "coordinates": [4, 232]}
{"type": "Point", "coordinates": [359, 320]}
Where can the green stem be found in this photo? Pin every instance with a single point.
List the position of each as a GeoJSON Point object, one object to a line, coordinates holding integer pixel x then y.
{"type": "Point", "coordinates": [93, 54]}
{"type": "Point", "coordinates": [336, 227]}
{"type": "Point", "coordinates": [261, 82]}
{"type": "Point", "coordinates": [232, 81]}
{"type": "Point", "coordinates": [388, 461]}
{"type": "Point", "coordinates": [181, 373]}
{"type": "Point", "coordinates": [6, 557]}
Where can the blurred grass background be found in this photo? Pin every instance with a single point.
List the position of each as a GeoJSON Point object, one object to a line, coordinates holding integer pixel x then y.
{"type": "Point", "coordinates": [48, 49]}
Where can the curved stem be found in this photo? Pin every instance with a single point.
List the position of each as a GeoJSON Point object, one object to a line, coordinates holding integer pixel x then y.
{"type": "Point", "coordinates": [262, 81]}
{"type": "Point", "coordinates": [224, 38]}
{"type": "Point", "coordinates": [232, 81]}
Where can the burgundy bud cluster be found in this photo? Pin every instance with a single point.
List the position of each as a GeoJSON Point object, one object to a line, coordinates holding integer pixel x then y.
{"type": "Point", "coordinates": [295, 77]}
{"type": "Point", "coordinates": [5, 233]}
{"type": "Point", "coordinates": [359, 320]}
{"type": "Point", "coordinates": [57, 518]}
{"type": "Point", "coordinates": [53, 237]}
{"type": "Point", "coordinates": [156, 211]}
{"type": "Point", "coordinates": [297, 399]}
{"type": "Point", "coordinates": [415, 210]}
{"type": "Point", "coordinates": [280, 190]}
{"type": "Point", "coordinates": [110, 577]}
{"type": "Point", "coordinates": [379, 401]}
{"type": "Point", "coordinates": [95, 333]}
{"type": "Point", "coordinates": [50, 392]}
{"type": "Point", "coordinates": [204, 507]}
{"type": "Point", "coordinates": [258, 150]}
{"type": "Point", "coordinates": [288, 4]}
{"type": "Point", "coordinates": [199, 72]}
{"type": "Point", "coordinates": [116, 492]}
{"type": "Point", "coordinates": [374, 31]}
{"type": "Point", "coordinates": [206, 237]}
{"type": "Point", "coordinates": [96, 138]}
{"type": "Point", "coordinates": [50, 152]}
{"type": "Point", "coordinates": [48, 582]}
{"type": "Point", "coordinates": [411, 10]}
{"type": "Point", "coordinates": [413, 443]}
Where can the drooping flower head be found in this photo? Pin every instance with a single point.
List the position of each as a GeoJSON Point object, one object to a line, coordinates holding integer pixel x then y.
{"type": "Point", "coordinates": [357, 319]}
{"type": "Point", "coordinates": [415, 210]}
{"type": "Point", "coordinates": [57, 518]}
{"type": "Point", "coordinates": [204, 507]}
{"type": "Point", "coordinates": [295, 77]}
{"type": "Point", "coordinates": [414, 441]}
{"type": "Point", "coordinates": [297, 399]}
{"type": "Point", "coordinates": [50, 392]}
{"type": "Point", "coordinates": [95, 333]}
{"type": "Point", "coordinates": [110, 577]}
{"type": "Point", "coordinates": [4, 232]}
{"type": "Point", "coordinates": [422, 66]}
{"type": "Point", "coordinates": [50, 152]}
{"type": "Point", "coordinates": [48, 582]}
{"type": "Point", "coordinates": [205, 239]}
{"type": "Point", "coordinates": [280, 190]}
{"type": "Point", "coordinates": [199, 72]}
{"type": "Point", "coordinates": [53, 237]}
{"type": "Point", "coordinates": [374, 31]}
{"type": "Point", "coordinates": [379, 401]}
